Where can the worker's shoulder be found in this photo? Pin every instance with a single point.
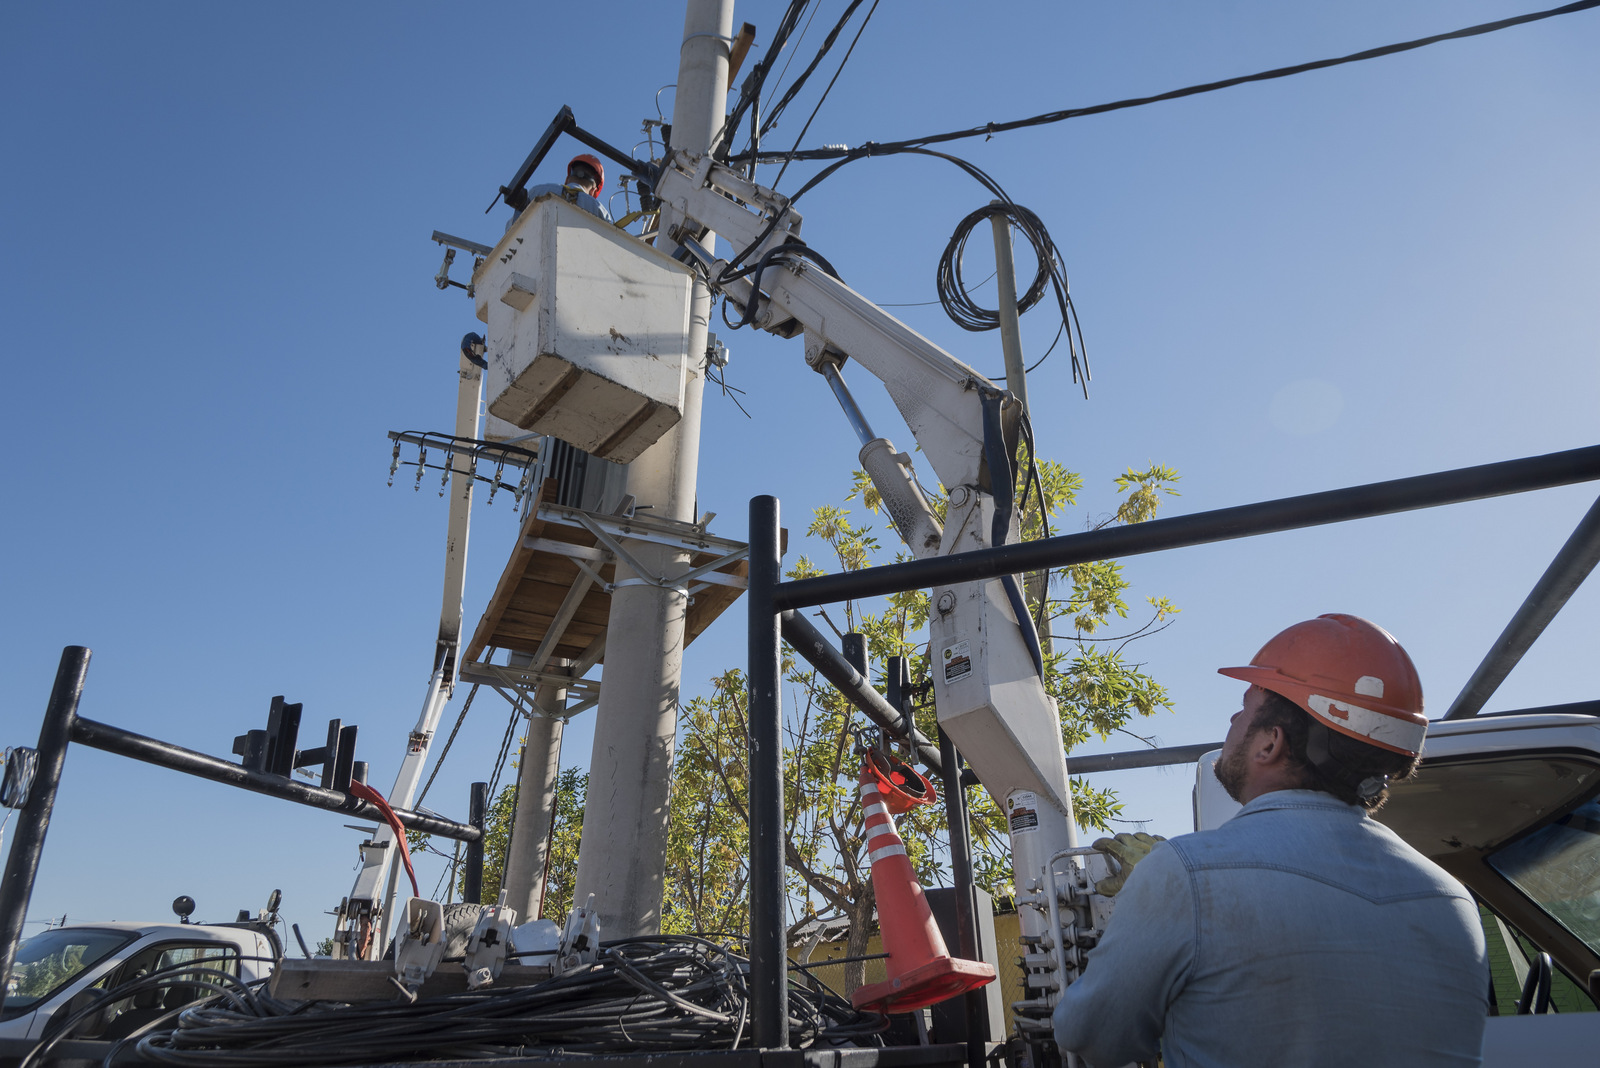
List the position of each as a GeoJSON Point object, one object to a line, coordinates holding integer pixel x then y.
{"type": "Point", "coordinates": [1317, 837]}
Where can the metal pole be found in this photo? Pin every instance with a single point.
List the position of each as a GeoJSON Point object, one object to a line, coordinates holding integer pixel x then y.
{"type": "Point", "coordinates": [477, 814]}
{"type": "Point", "coordinates": [814, 648]}
{"type": "Point", "coordinates": [955, 812]}
{"type": "Point", "coordinates": [1223, 524]}
{"type": "Point", "coordinates": [622, 859]}
{"type": "Point", "coordinates": [769, 1004]}
{"type": "Point", "coordinates": [380, 865]}
{"type": "Point", "coordinates": [1139, 758]}
{"type": "Point", "coordinates": [1005, 276]}
{"type": "Point", "coordinates": [33, 819]}
{"type": "Point", "coordinates": [847, 401]}
{"type": "Point", "coordinates": [1559, 582]}
{"type": "Point", "coordinates": [111, 739]}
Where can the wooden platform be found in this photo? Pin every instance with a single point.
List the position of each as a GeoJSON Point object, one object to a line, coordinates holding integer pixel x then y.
{"type": "Point", "coordinates": [554, 597]}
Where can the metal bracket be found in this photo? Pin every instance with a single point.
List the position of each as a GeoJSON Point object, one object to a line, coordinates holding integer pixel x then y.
{"type": "Point", "coordinates": [612, 532]}
{"type": "Point", "coordinates": [518, 683]}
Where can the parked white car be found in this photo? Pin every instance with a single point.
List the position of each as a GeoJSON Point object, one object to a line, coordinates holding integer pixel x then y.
{"type": "Point", "coordinates": [64, 965]}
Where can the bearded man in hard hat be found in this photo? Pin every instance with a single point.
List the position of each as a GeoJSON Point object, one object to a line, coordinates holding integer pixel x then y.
{"type": "Point", "coordinates": [1301, 932]}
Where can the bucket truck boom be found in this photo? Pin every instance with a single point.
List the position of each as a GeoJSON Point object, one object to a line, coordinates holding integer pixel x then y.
{"type": "Point", "coordinates": [988, 679]}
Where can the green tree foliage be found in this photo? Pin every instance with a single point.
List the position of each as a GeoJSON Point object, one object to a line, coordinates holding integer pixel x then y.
{"type": "Point", "coordinates": [566, 832]}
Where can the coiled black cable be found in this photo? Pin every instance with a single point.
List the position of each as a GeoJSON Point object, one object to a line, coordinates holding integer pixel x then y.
{"type": "Point", "coordinates": [667, 993]}
{"type": "Point", "coordinates": [958, 304]}
{"type": "Point", "coordinates": [952, 294]}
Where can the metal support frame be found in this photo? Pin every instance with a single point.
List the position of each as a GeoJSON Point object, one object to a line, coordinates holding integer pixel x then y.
{"type": "Point", "coordinates": [478, 809]}
{"type": "Point", "coordinates": [769, 981]}
{"type": "Point", "coordinates": [1223, 524]}
{"type": "Point", "coordinates": [126, 743]}
{"type": "Point", "coordinates": [517, 683]}
{"type": "Point", "coordinates": [515, 192]}
{"type": "Point", "coordinates": [1559, 582]}
{"type": "Point", "coordinates": [613, 532]}
{"type": "Point", "coordinates": [816, 650]}
{"type": "Point", "coordinates": [955, 811]}
{"type": "Point", "coordinates": [1139, 758]}
{"type": "Point", "coordinates": [63, 726]}
{"type": "Point", "coordinates": [33, 819]}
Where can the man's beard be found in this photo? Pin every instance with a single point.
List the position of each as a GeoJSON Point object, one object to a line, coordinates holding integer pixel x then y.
{"type": "Point", "coordinates": [1229, 769]}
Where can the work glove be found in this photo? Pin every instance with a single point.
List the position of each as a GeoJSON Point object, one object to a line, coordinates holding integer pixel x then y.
{"type": "Point", "coordinates": [1124, 850]}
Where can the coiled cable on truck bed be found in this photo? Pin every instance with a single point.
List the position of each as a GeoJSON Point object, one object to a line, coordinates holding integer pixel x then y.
{"type": "Point", "coordinates": [659, 994]}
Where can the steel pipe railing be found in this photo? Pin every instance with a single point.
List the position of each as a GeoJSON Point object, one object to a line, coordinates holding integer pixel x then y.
{"type": "Point", "coordinates": [126, 743]}
{"type": "Point", "coordinates": [1223, 524]}
{"type": "Point", "coordinates": [769, 973]}
{"type": "Point", "coordinates": [1558, 583]}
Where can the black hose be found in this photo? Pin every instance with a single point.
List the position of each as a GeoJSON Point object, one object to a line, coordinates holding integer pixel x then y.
{"type": "Point", "coordinates": [1002, 478]}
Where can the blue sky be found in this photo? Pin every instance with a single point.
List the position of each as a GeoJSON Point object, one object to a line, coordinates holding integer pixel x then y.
{"type": "Point", "coordinates": [217, 298]}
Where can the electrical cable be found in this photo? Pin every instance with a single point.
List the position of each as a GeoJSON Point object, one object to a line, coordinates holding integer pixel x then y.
{"type": "Point", "coordinates": [952, 290]}
{"type": "Point", "coordinates": [989, 129]}
{"type": "Point", "coordinates": [505, 750]}
{"type": "Point", "coordinates": [761, 265]}
{"type": "Point", "coordinates": [948, 283]}
{"type": "Point", "coordinates": [847, 53]}
{"type": "Point", "coordinates": [750, 92]}
{"type": "Point", "coordinates": [659, 994]}
{"type": "Point", "coordinates": [770, 123]}
{"type": "Point", "coordinates": [448, 742]}
{"type": "Point", "coordinates": [201, 974]}
{"type": "Point", "coordinates": [1044, 248]}
{"type": "Point", "coordinates": [755, 117]}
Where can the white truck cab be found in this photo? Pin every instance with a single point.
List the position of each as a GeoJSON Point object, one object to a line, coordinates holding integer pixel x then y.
{"type": "Point", "coordinates": [1510, 805]}
{"type": "Point", "coordinates": [55, 967]}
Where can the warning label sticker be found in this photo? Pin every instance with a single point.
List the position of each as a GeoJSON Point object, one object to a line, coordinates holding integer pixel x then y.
{"type": "Point", "coordinates": [957, 661]}
{"type": "Point", "coordinates": [1023, 811]}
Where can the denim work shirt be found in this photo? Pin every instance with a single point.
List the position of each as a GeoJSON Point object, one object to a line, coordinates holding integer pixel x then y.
{"type": "Point", "coordinates": [1301, 932]}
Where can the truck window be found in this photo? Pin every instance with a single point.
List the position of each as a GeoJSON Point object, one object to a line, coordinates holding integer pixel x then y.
{"type": "Point", "coordinates": [1510, 954]}
{"type": "Point", "coordinates": [120, 1018]}
{"type": "Point", "coordinates": [1558, 868]}
{"type": "Point", "coordinates": [51, 959]}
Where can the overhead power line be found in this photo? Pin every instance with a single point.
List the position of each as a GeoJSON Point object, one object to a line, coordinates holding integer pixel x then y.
{"type": "Point", "coordinates": [823, 99]}
{"type": "Point", "coordinates": [770, 120]}
{"type": "Point", "coordinates": [989, 129]}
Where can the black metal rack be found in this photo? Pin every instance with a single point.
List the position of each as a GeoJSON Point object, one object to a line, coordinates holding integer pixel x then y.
{"type": "Point", "coordinates": [63, 726]}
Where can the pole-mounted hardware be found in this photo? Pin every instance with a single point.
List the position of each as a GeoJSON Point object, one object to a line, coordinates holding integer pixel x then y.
{"type": "Point", "coordinates": [273, 751]}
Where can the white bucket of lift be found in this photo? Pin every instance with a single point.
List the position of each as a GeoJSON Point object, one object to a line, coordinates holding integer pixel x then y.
{"type": "Point", "coordinates": [588, 331]}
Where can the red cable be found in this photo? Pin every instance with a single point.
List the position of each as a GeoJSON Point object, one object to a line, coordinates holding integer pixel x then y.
{"type": "Point", "coordinates": [367, 793]}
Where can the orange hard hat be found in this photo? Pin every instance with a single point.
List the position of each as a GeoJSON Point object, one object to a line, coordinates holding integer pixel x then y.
{"type": "Point", "coordinates": [594, 164]}
{"type": "Point", "coordinates": [1350, 675]}
{"type": "Point", "coordinates": [901, 787]}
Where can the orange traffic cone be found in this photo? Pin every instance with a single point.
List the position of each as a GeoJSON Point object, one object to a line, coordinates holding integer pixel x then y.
{"type": "Point", "coordinates": [921, 970]}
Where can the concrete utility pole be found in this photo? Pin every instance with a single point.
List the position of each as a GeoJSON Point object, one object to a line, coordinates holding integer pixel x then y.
{"type": "Point", "coordinates": [1037, 583]}
{"type": "Point", "coordinates": [1005, 278]}
{"type": "Point", "coordinates": [528, 852]}
{"type": "Point", "coordinates": [622, 860]}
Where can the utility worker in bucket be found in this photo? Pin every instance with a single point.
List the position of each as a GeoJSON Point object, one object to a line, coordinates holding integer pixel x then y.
{"type": "Point", "coordinates": [1301, 932]}
{"type": "Point", "coordinates": [586, 177]}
